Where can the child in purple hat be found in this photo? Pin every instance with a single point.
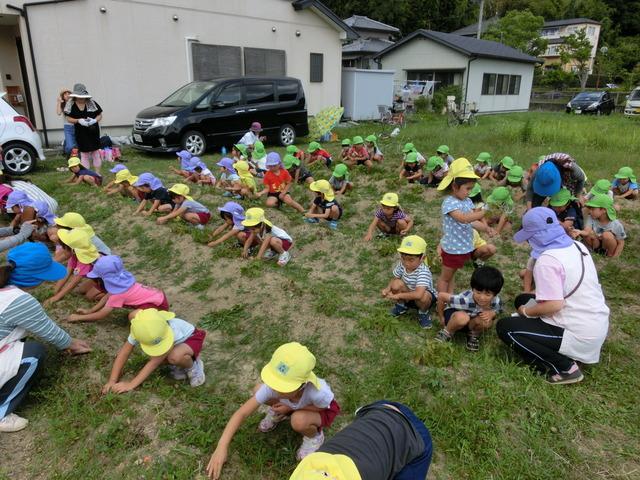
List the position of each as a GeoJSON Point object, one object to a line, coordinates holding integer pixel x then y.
{"type": "Point", "coordinates": [185, 160]}
{"type": "Point", "coordinates": [232, 214]}
{"type": "Point", "coordinates": [253, 135]}
{"type": "Point", "coordinates": [200, 174]}
{"type": "Point", "coordinates": [277, 182]}
{"type": "Point", "coordinates": [152, 190]}
{"type": "Point", "coordinates": [118, 167]}
{"type": "Point", "coordinates": [122, 292]}
{"type": "Point", "coordinates": [20, 204]}
{"type": "Point", "coordinates": [229, 178]}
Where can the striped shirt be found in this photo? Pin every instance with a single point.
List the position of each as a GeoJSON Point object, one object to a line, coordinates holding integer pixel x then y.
{"type": "Point", "coordinates": [465, 302]}
{"type": "Point", "coordinates": [35, 193]}
{"type": "Point", "coordinates": [397, 215]}
{"type": "Point", "coordinates": [420, 277]}
{"type": "Point", "coordinates": [26, 312]}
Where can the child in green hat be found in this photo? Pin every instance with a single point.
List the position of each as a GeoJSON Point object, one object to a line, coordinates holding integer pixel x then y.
{"type": "Point", "coordinates": [515, 180]}
{"type": "Point", "coordinates": [340, 179]}
{"type": "Point", "coordinates": [436, 169]}
{"type": "Point", "coordinates": [315, 153]}
{"type": "Point", "coordinates": [567, 210]}
{"type": "Point", "coordinates": [407, 149]}
{"type": "Point", "coordinates": [299, 173]}
{"type": "Point", "coordinates": [375, 154]}
{"type": "Point", "coordinates": [358, 153]}
{"type": "Point", "coordinates": [602, 186]}
{"type": "Point", "coordinates": [603, 232]}
{"type": "Point", "coordinates": [443, 153]}
{"type": "Point", "coordinates": [344, 153]}
{"type": "Point", "coordinates": [500, 209]}
{"type": "Point", "coordinates": [624, 185]}
{"type": "Point", "coordinates": [258, 159]}
{"type": "Point", "coordinates": [483, 165]}
{"type": "Point", "coordinates": [411, 168]}
{"type": "Point", "coordinates": [239, 152]}
{"type": "Point", "coordinates": [499, 170]}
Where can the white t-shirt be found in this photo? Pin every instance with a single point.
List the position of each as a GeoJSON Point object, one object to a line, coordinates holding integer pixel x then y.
{"type": "Point", "coordinates": [278, 233]}
{"type": "Point", "coordinates": [320, 398]}
{"type": "Point", "coordinates": [35, 193]}
{"type": "Point", "coordinates": [249, 138]}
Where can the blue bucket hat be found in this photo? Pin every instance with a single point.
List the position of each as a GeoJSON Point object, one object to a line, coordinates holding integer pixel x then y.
{"type": "Point", "coordinates": [33, 265]}
{"type": "Point", "coordinates": [273, 159]}
{"type": "Point", "coordinates": [149, 179]}
{"type": "Point", "coordinates": [118, 167]}
{"type": "Point", "coordinates": [547, 180]}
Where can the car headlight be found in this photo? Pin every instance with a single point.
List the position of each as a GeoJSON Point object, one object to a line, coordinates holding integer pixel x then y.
{"type": "Point", "coordinates": [163, 121]}
{"type": "Point", "coordinates": [569, 105]}
{"type": "Point", "coordinates": [592, 106]}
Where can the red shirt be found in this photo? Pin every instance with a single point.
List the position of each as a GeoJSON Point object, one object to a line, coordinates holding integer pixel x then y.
{"type": "Point", "coordinates": [322, 153]}
{"type": "Point", "coordinates": [359, 151]}
{"type": "Point", "coordinates": [276, 182]}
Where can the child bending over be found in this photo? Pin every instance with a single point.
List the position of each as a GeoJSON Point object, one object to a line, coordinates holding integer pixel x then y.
{"type": "Point", "coordinates": [411, 168]}
{"type": "Point", "coordinates": [185, 207]}
{"type": "Point", "coordinates": [358, 153]}
{"type": "Point", "coordinates": [324, 205]}
{"type": "Point", "coordinates": [389, 218]}
{"type": "Point", "coordinates": [482, 167]}
{"type": "Point", "coordinates": [277, 183]}
{"type": "Point", "coordinates": [375, 154]}
{"type": "Point", "coordinates": [271, 241]}
{"type": "Point", "coordinates": [317, 154]}
{"type": "Point", "coordinates": [625, 184]}
{"type": "Point", "coordinates": [340, 179]}
{"type": "Point", "coordinates": [184, 156]}
{"type": "Point", "coordinates": [232, 215]}
{"type": "Point", "coordinates": [82, 174]}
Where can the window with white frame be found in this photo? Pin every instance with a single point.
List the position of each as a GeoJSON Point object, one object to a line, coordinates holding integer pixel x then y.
{"type": "Point", "coordinates": [591, 31]}
{"type": "Point", "coordinates": [550, 32]}
{"type": "Point", "coordinates": [501, 84]}
{"type": "Point", "coordinates": [552, 50]}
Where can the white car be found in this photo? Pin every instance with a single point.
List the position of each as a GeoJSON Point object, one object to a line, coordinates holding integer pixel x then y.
{"type": "Point", "coordinates": [632, 107]}
{"type": "Point", "coordinates": [20, 144]}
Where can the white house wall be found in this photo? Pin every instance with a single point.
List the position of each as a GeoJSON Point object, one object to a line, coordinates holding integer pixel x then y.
{"type": "Point", "coordinates": [364, 90]}
{"type": "Point", "coordinates": [134, 55]}
{"type": "Point", "coordinates": [499, 103]}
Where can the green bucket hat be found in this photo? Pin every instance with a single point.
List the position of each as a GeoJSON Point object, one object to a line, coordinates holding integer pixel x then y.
{"type": "Point", "coordinates": [346, 142]}
{"type": "Point", "coordinates": [313, 147]}
{"type": "Point", "coordinates": [601, 187]}
{"type": "Point", "coordinates": [242, 148]}
{"type": "Point", "coordinates": [433, 162]}
{"type": "Point", "coordinates": [292, 149]}
{"type": "Point", "coordinates": [561, 198]}
{"type": "Point", "coordinates": [357, 140]}
{"type": "Point", "coordinates": [289, 161]}
{"type": "Point", "coordinates": [515, 174]}
{"type": "Point", "coordinates": [475, 190]}
{"type": "Point", "coordinates": [484, 157]}
{"type": "Point", "coordinates": [412, 157]}
{"type": "Point", "coordinates": [258, 151]}
{"type": "Point", "coordinates": [500, 195]}
{"type": "Point", "coordinates": [626, 172]}
{"type": "Point", "coordinates": [603, 201]}
{"type": "Point", "coordinates": [409, 147]}
{"type": "Point", "coordinates": [507, 162]}
{"type": "Point", "coordinates": [372, 139]}
{"type": "Point", "coordinates": [442, 149]}
{"type": "Point", "coordinates": [340, 171]}
{"type": "Point", "coordinates": [541, 158]}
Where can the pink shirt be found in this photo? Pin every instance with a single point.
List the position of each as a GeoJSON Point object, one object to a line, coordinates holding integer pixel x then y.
{"type": "Point", "coordinates": [138, 294]}
{"type": "Point", "coordinates": [549, 276]}
{"type": "Point", "coordinates": [78, 267]}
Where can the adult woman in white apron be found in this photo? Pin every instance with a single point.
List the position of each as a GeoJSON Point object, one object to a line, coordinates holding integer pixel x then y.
{"type": "Point", "coordinates": [567, 319]}
{"type": "Point", "coordinates": [28, 265]}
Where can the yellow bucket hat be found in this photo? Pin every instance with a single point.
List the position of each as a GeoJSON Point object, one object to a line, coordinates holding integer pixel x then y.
{"type": "Point", "coordinates": [323, 466]}
{"type": "Point", "coordinates": [182, 190]}
{"type": "Point", "coordinates": [413, 245]}
{"type": "Point", "coordinates": [460, 168]}
{"type": "Point", "coordinates": [390, 200]}
{"type": "Point", "coordinates": [73, 162]}
{"type": "Point", "coordinates": [125, 176]}
{"type": "Point", "coordinates": [76, 221]}
{"type": "Point", "coordinates": [151, 329]}
{"type": "Point", "coordinates": [324, 187]}
{"type": "Point", "coordinates": [80, 242]}
{"type": "Point", "coordinates": [254, 216]}
{"type": "Point", "coordinates": [290, 367]}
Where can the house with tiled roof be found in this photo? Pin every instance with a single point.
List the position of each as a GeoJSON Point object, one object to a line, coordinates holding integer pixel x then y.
{"type": "Point", "coordinates": [374, 37]}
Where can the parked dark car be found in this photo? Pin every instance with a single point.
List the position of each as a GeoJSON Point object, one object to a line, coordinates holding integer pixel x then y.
{"type": "Point", "coordinates": [592, 102]}
{"type": "Point", "coordinates": [202, 114]}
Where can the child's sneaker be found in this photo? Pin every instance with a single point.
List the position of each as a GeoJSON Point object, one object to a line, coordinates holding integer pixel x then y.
{"type": "Point", "coordinates": [269, 254]}
{"type": "Point", "coordinates": [199, 226]}
{"type": "Point", "coordinates": [310, 445]}
{"type": "Point", "coordinates": [196, 373]}
{"type": "Point", "coordinates": [177, 373]}
{"type": "Point", "coordinates": [473, 343]}
{"type": "Point", "coordinates": [425, 320]}
{"type": "Point", "coordinates": [13, 423]}
{"type": "Point", "coordinates": [311, 220]}
{"type": "Point", "coordinates": [226, 194]}
{"type": "Point", "coordinates": [332, 224]}
{"type": "Point", "coordinates": [399, 309]}
{"type": "Point", "coordinates": [574, 375]}
{"type": "Point", "coordinates": [478, 264]}
{"type": "Point", "coordinates": [284, 258]}
{"type": "Point", "coordinates": [443, 336]}
{"type": "Point", "coordinates": [270, 421]}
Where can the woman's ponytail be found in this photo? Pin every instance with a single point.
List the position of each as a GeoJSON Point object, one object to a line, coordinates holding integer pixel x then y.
{"type": "Point", "coordinates": [5, 273]}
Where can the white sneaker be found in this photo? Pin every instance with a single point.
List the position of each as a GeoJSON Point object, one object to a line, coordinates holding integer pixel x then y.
{"type": "Point", "coordinates": [196, 373]}
{"type": "Point", "coordinates": [269, 254]}
{"type": "Point", "coordinates": [284, 258]}
{"type": "Point", "coordinates": [12, 423]}
{"type": "Point", "coordinates": [177, 373]}
{"type": "Point", "coordinates": [310, 445]}
{"type": "Point", "coordinates": [270, 421]}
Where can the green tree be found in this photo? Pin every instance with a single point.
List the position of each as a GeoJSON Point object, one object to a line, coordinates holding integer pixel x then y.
{"type": "Point", "coordinates": [576, 51]}
{"type": "Point", "coordinates": [519, 30]}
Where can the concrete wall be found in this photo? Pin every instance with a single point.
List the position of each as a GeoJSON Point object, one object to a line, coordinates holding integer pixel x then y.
{"type": "Point", "coordinates": [364, 90]}
{"type": "Point", "coordinates": [500, 103]}
{"type": "Point", "coordinates": [9, 63]}
{"type": "Point", "coordinates": [134, 55]}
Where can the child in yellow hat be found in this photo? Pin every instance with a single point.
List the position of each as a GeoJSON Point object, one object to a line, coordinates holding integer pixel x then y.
{"type": "Point", "coordinates": [369, 447]}
{"type": "Point", "coordinates": [166, 339]}
{"type": "Point", "coordinates": [247, 187]}
{"type": "Point", "coordinates": [290, 390]}
{"type": "Point", "coordinates": [271, 240]}
{"type": "Point", "coordinates": [389, 218]}
{"type": "Point", "coordinates": [412, 283]}
{"type": "Point", "coordinates": [185, 207]}
{"type": "Point", "coordinates": [324, 205]}
{"type": "Point", "coordinates": [123, 184]}
{"type": "Point", "coordinates": [82, 255]}
{"type": "Point", "coordinates": [82, 174]}
{"type": "Point", "coordinates": [458, 214]}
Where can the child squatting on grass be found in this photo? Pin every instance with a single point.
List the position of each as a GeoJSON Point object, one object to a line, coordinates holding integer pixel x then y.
{"type": "Point", "coordinates": [472, 311]}
{"type": "Point", "coordinates": [166, 339]}
{"type": "Point", "coordinates": [412, 283]}
{"type": "Point", "coordinates": [277, 183]}
{"type": "Point", "coordinates": [185, 207]}
{"type": "Point", "coordinates": [123, 184]}
{"type": "Point", "coordinates": [152, 190]}
{"type": "Point", "coordinates": [324, 205]}
{"type": "Point", "coordinates": [271, 241]}
{"type": "Point", "coordinates": [389, 218]}
{"type": "Point", "coordinates": [603, 232]}
{"type": "Point", "coordinates": [293, 392]}
{"type": "Point", "coordinates": [232, 215]}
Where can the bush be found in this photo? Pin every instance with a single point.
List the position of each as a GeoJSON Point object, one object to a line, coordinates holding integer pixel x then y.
{"type": "Point", "coordinates": [558, 78]}
{"type": "Point", "coordinates": [439, 100]}
{"type": "Point", "coordinates": [422, 104]}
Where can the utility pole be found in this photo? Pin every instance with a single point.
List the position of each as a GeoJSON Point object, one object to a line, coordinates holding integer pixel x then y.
{"type": "Point", "coordinates": [480, 15]}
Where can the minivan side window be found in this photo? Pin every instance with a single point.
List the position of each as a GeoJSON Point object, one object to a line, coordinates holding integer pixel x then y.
{"type": "Point", "coordinates": [229, 96]}
{"type": "Point", "coordinates": [287, 91]}
{"type": "Point", "coordinates": [259, 93]}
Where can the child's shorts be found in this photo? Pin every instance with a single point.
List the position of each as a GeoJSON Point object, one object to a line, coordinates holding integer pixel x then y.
{"type": "Point", "coordinates": [276, 195]}
{"type": "Point", "coordinates": [204, 217]}
{"type": "Point", "coordinates": [286, 244]}
{"type": "Point", "coordinates": [164, 305]}
{"type": "Point", "coordinates": [195, 341]}
{"type": "Point", "coordinates": [454, 261]}
{"type": "Point", "coordinates": [328, 415]}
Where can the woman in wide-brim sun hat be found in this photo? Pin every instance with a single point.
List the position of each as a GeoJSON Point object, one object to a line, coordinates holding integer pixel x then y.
{"type": "Point", "coordinates": [85, 114]}
{"type": "Point", "coordinates": [568, 174]}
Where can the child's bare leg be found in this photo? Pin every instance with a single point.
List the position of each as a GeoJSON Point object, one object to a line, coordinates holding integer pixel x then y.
{"type": "Point", "coordinates": [383, 227]}
{"type": "Point", "coordinates": [271, 202]}
{"type": "Point", "coordinates": [293, 204]}
{"type": "Point", "coordinates": [306, 423]}
{"type": "Point", "coordinates": [165, 208]}
{"type": "Point", "coordinates": [477, 325]}
{"type": "Point", "coordinates": [88, 179]}
{"type": "Point", "coordinates": [401, 225]}
{"type": "Point", "coordinates": [276, 244]}
{"type": "Point", "coordinates": [484, 252]}
{"type": "Point", "coordinates": [609, 243]}
{"type": "Point", "coordinates": [424, 303]}
{"type": "Point", "coordinates": [445, 280]}
{"type": "Point", "coordinates": [334, 213]}
{"type": "Point", "coordinates": [398, 286]}
{"type": "Point", "coordinates": [181, 355]}
{"type": "Point", "coordinates": [191, 217]}
{"type": "Point", "coordinates": [457, 321]}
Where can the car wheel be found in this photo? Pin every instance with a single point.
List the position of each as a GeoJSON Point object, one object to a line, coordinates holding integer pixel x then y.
{"type": "Point", "coordinates": [19, 158]}
{"type": "Point", "coordinates": [287, 135]}
{"type": "Point", "coordinates": [194, 142]}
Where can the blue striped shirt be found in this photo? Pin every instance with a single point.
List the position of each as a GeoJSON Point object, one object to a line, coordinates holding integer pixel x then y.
{"type": "Point", "coordinates": [420, 277]}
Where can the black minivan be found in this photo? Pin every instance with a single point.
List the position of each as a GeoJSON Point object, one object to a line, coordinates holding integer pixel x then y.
{"type": "Point", "coordinates": [204, 114]}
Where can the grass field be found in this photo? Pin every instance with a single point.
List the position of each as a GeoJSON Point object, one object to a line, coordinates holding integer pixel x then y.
{"type": "Point", "coordinates": [490, 417]}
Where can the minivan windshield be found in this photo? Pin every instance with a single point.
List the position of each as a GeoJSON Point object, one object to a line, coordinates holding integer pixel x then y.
{"type": "Point", "coordinates": [591, 97]}
{"type": "Point", "coordinates": [635, 95]}
{"type": "Point", "coordinates": [187, 95]}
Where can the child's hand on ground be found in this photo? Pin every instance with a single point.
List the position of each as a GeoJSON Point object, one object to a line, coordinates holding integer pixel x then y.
{"type": "Point", "coordinates": [245, 254]}
{"type": "Point", "coordinates": [218, 459]}
{"type": "Point", "coordinates": [281, 409]}
{"type": "Point", "coordinates": [121, 387]}
{"type": "Point", "coordinates": [404, 232]}
{"type": "Point", "coordinates": [73, 318]}
{"type": "Point", "coordinates": [146, 213]}
{"type": "Point", "coordinates": [78, 347]}
{"type": "Point", "coordinates": [367, 237]}
{"type": "Point", "coordinates": [161, 221]}
{"type": "Point", "coordinates": [49, 301]}
{"type": "Point", "coordinates": [107, 387]}
{"type": "Point", "coordinates": [385, 292]}
{"type": "Point", "coordinates": [83, 311]}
